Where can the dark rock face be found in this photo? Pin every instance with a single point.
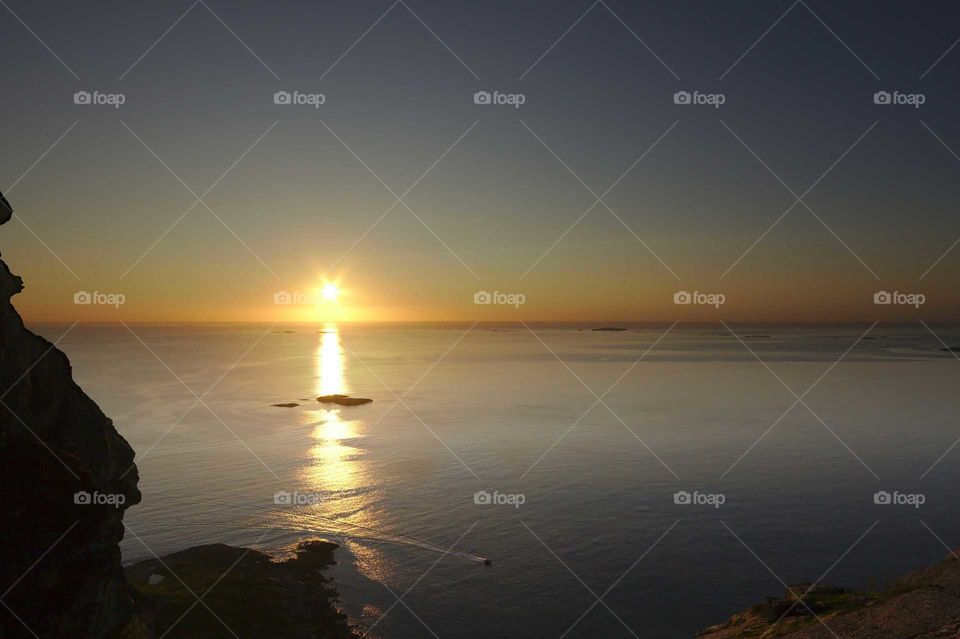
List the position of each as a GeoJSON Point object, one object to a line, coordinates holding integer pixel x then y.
{"type": "Point", "coordinates": [6, 211]}
{"type": "Point", "coordinates": [66, 477]}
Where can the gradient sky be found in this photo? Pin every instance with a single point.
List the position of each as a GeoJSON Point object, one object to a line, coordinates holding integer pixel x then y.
{"type": "Point", "coordinates": [499, 199]}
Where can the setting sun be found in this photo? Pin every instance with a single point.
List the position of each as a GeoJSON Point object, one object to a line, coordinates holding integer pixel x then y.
{"type": "Point", "coordinates": [330, 292]}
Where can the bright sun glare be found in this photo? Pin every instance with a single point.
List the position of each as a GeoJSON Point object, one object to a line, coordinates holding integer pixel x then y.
{"type": "Point", "coordinates": [330, 292]}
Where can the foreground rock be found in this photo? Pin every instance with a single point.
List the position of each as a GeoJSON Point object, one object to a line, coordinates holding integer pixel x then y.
{"type": "Point", "coordinates": [247, 595]}
{"type": "Point", "coordinates": [66, 478]}
{"type": "Point", "coordinates": [343, 400]}
{"type": "Point", "coordinates": [925, 604]}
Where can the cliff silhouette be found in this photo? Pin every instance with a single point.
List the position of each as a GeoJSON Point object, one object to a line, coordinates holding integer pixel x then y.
{"type": "Point", "coordinates": [66, 478]}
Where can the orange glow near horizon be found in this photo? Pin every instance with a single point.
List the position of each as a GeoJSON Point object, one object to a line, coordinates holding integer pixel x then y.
{"type": "Point", "coordinates": [363, 296]}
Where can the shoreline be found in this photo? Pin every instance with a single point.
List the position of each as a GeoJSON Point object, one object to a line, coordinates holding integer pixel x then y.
{"type": "Point", "coordinates": [923, 604]}
{"type": "Point", "coordinates": [259, 595]}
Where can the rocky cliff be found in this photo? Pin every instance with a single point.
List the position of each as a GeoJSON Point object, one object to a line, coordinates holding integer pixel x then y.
{"type": "Point", "coordinates": [248, 594]}
{"type": "Point", "coordinates": [66, 477]}
{"type": "Point", "coordinates": [924, 604]}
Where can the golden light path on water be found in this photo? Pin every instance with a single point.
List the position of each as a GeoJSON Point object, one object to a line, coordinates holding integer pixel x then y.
{"type": "Point", "coordinates": [336, 465]}
{"type": "Point", "coordinates": [336, 468]}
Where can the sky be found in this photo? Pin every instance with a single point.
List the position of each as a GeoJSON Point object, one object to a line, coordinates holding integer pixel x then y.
{"type": "Point", "coordinates": [797, 198]}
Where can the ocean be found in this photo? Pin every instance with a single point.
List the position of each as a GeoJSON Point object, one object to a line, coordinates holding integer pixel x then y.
{"type": "Point", "coordinates": [642, 482]}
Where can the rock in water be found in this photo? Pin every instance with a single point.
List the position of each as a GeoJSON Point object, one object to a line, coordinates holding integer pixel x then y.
{"type": "Point", "coordinates": [343, 400]}
{"type": "Point", "coordinates": [66, 478]}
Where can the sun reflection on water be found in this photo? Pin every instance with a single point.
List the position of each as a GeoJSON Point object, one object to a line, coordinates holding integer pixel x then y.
{"type": "Point", "coordinates": [336, 467]}
{"type": "Point", "coordinates": [335, 463]}
{"type": "Point", "coordinates": [329, 363]}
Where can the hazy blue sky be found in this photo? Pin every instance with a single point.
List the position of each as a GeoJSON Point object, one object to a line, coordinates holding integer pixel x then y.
{"type": "Point", "coordinates": [499, 199]}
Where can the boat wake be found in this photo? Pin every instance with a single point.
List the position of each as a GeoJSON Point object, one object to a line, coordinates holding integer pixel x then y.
{"type": "Point", "coordinates": [299, 522]}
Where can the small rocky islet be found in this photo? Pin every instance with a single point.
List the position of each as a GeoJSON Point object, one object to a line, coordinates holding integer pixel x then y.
{"type": "Point", "coordinates": [343, 400]}
{"type": "Point", "coordinates": [339, 400]}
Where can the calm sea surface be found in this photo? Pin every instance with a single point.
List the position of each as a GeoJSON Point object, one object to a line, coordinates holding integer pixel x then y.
{"type": "Point", "coordinates": [513, 411]}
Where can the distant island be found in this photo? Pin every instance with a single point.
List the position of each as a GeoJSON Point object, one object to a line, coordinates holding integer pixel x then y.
{"type": "Point", "coordinates": [343, 400]}
{"type": "Point", "coordinates": [339, 400]}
